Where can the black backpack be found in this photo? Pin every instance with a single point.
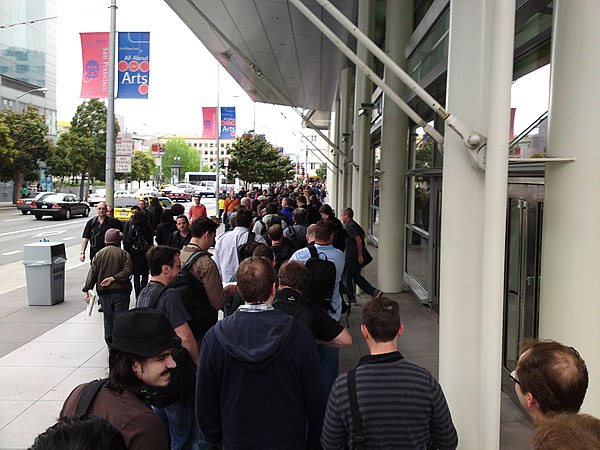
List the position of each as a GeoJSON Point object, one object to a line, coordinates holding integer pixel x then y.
{"type": "Point", "coordinates": [291, 303]}
{"type": "Point", "coordinates": [194, 298]}
{"type": "Point", "coordinates": [321, 279]}
{"type": "Point", "coordinates": [139, 245]}
{"type": "Point", "coordinates": [296, 239]}
{"type": "Point", "coordinates": [241, 250]}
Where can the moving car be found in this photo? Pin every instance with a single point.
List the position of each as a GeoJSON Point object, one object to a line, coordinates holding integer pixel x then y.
{"type": "Point", "coordinates": [24, 204]}
{"type": "Point", "coordinates": [122, 209]}
{"type": "Point", "coordinates": [145, 192]}
{"type": "Point", "coordinates": [60, 205]}
{"type": "Point", "coordinates": [124, 194]}
{"type": "Point", "coordinates": [187, 187]}
{"type": "Point", "coordinates": [99, 195]}
{"type": "Point", "coordinates": [179, 195]}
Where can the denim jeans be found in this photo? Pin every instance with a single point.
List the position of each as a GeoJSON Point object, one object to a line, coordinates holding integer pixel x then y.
{"type": "Point", "coordinates": [352, 275]}
{"type": "Point", "coordinates": [112, 306]}
{"type": "Point", "coordinates": [330, 358]}
{"type": "Point", "coordinates": [180, 420]}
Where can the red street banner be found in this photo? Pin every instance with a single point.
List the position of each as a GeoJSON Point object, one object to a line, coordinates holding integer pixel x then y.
{"type": "Point", "coordinates": [209, 128]}
{"type": "Point", "coordinates": [94, 50]}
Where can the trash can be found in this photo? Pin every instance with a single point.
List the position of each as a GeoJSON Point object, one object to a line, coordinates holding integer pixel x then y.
{"type": "Point", "coordinates": [45, 272]}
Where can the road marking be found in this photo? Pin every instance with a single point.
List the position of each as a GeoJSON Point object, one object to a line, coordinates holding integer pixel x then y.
{"type": "Point", "coordinates": [11, 253]}
{"type": "Point", "coordinates": [69, 238]}
{"type": "Point", "coordinates": [49, 233]}
{"type": "Point", "coordinates": [41, 228]}
{"type": "Point", "coordinates": [20, 218]}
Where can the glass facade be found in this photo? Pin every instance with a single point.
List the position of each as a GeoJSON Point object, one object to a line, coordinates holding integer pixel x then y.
{"type": "Point", "coordinates": [28, 50]}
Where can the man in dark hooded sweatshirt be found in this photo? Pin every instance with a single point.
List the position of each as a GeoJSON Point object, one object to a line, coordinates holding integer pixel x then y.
{"type": "Point", "coordinates": [259, 382]}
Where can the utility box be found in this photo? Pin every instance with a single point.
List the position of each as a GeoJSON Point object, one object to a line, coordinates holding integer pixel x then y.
{"type": "Point", "coordinates": [45, 272]}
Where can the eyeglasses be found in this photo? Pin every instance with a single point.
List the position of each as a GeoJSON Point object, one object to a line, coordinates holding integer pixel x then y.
{"type": "Point", "coordinates": [513, 376]}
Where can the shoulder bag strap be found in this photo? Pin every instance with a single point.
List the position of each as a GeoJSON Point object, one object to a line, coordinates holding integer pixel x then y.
{"type": "Point", "coordinates": [87, 396]}
{"type": "Point", "coordinates": [359, 436]}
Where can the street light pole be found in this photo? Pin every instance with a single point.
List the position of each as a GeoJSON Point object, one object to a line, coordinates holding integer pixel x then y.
{"type": "Point", "coordinates": [110, 110]}
{"type": "Point", "coordinates": [40, 89]}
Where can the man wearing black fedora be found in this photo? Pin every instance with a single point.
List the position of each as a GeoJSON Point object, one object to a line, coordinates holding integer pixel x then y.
{"type": "Point", "coordinates": [139, 361]}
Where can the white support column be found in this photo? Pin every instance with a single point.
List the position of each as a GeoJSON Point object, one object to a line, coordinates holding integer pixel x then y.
{"type": "Point", "coordinates": [460, 360]}
{"type": "Point", "coordinates": [569, 300]}
{"type": "Point", "coordinates": [394, 147]}
{"type": "Point", "coordinates": [344, 186]}
{"type": "Point", "coordinates": [333, 173]}
{"type": "Point", "coordinates": [362, 123]}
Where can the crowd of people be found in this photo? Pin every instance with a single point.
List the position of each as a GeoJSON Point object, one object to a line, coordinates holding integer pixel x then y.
{"type": "Point", "coordinates": [267, 374]}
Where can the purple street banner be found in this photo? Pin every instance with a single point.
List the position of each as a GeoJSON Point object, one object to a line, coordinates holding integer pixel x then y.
{"type": "Point", "coordinates": [133, 64]}
{"type": "Point", "coordinates": [94, 52]}
{"type": "Point", "coordinates": [227, 122]}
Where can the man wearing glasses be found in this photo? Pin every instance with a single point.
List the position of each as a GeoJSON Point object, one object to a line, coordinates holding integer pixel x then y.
{"type": "Point", "coordinates": [95, 229]}
{"type": "Point", "coordinates": [550, 378]}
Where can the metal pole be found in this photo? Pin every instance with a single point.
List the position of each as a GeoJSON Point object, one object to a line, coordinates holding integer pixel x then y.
{"type": "Point", "coordinates": [110, 114]}
{"type": "Point", "coordinates": [470, 138]}
{"type": "Point", "coordinates": [494, 221]}
{"type": "Point", "coordinates": [218, 161]}
{"type": "Point", "coordinates": [368, 72]}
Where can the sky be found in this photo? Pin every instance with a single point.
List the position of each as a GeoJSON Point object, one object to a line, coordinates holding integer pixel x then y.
{"type": "Point", "coordinates": [183, 74]}
{"type": "Point", "coordinates": [183, 77]}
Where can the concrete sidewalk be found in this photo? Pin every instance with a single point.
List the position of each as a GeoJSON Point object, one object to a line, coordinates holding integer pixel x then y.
{"type": "Point", "coordinates": [45, 351]}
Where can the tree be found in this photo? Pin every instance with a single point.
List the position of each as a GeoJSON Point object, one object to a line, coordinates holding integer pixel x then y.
{"type": "Point", "coordinates": [27, 132]}
{"type": "Point", "coordinates": [189, 159]}
{"type": "Point", "coordinates": [254, 160]}
{"type": "Point", "coordinates": [142, 166]}
{"type": "Point", "coordinates": [322, 171]}
{"type": "Point", "coordinates": [7, 151]}
{"type": "Point", "coordinates": [87, 140]}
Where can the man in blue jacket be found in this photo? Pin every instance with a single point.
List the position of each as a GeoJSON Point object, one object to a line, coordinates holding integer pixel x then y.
{"type": "Point", "coordinates": [259, 382]}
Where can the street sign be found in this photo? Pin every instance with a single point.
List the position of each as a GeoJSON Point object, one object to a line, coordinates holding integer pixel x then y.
{"type": "Point", "coordinates": [122, 164]}
{"type": "Point", "coordinates": [124, 144]}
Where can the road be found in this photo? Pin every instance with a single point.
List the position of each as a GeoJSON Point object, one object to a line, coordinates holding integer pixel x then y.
{"type": "Point", "coordinates": [17, 230]}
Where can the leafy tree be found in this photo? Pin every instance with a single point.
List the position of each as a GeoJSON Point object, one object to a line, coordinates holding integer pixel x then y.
{"type": "Point", "coordinates": [87, 141]}
{"type": "Point", "coordinates": [142, 166]}
{"type": "Point", "coordinates": [322, 171]}
{"type": "Point", "coordinates": [7, 151]}
{"type": "Point", "coordinates": [254, 160]}
{"type": "Point", "coordinates": [27, 130]}
{"type": "Point", "coordinates": [67, 158]}
{"type": "Point", "coordinates": [189, 159]}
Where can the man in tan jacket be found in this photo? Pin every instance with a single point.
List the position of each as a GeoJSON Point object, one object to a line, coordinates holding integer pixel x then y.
{"type": "Point", "coordinates": [109, 272]}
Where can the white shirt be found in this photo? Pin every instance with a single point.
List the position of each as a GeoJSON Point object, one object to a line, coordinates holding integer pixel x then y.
{"type": "Point", "coordinates": [336, 257]}
{"type": "Point", "coordinates": [226, 256]}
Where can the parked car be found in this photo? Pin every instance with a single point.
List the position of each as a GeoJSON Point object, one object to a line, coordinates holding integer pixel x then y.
{"type": "Point", "coordinates": [122, 209]}
{"type": "Point", "coordinates": [60, 205]}
{"type": "Point", "coordinates": [123, 194]}
{"type": "Point", "coordinates": [99, 195]}
{"type": "Point", "coordinates": [179, 195]}
{"type": "Point", "coordinates": [24, 204]}
{"type": "Point", "coordinates": [146, 191]}
{"type": "Point", "coordinates": [166, 189]}
{"type": "Point", "coordinates": [205, 188]}
{"type": "Point", "coordinates": [187, 187]}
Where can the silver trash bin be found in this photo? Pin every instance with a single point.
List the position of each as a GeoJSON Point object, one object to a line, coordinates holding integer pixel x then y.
{"type": "Point", "coordinates": [45, 272]}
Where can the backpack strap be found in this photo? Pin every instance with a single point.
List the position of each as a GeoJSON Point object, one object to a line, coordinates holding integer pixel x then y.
{"type": "Point", "coordinates": [87, 396]}
{"type": "Point", "coordinates": [251, 237]}
{"type": "Point", "coordinates": [192, 259]}
{"type": "Point", "coordinates": [359, 435]}
{"type": "Point", "coordinates": [313, 251]}
{"type": "Point", "coordinates": [156, 297]}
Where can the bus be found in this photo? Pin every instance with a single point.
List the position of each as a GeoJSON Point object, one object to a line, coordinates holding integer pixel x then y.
{"type": "Point", "coordinates": [205, 182]}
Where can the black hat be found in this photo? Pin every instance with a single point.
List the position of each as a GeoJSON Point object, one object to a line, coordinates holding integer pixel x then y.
{"type": "Point", "coordinates": [142, 332]}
